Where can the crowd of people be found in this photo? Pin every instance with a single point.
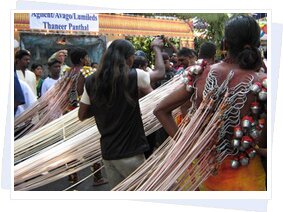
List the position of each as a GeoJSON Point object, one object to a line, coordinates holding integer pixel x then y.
{"type": "Point", "coordinates": [111, 95]}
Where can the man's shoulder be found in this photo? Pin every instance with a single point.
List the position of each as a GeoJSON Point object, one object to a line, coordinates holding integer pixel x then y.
{"type": "Point", "coordinates": [46, 80]}
{"type": "Point", "coordinates": [19, 73]}
{"type": "Point", "coordinates": [30, 73]}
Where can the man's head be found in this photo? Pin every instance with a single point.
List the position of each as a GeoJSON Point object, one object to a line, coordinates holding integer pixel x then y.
{"type": "Point", "coordinates": [207, 51]}
{"type": "Point", "coordinates": [54, 67]}
{"type": "Point", "coordinates": [141, 54]}
{"type": "Point", "coordinates": [22, 59]}
{"type": "Point", "coordinates": [174, 58]}
{"type": "Point", "coordinates": [187, 57]}
{"type": "Point", "coordinates": [79, 56]}
{"type": "Point", "coordinates": [166, 61]}
{"type": "Point", "coordinates": [140, 62]}
{"type": "Point", "coordinates": [61, 55]}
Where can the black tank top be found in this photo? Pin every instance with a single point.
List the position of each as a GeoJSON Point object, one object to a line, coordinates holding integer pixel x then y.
{"type": "Point", "coordinates": [120, 125]}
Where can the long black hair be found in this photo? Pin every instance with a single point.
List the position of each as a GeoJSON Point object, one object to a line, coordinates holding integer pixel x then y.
{"type": "Point", "coordinates": [111, 78]}
{"type": "Point", "coordinates": [35, 66]}
{"type": "Point", "coordinates": [242, 37]}
{"type": "Point", "coordinates": [77, 54]}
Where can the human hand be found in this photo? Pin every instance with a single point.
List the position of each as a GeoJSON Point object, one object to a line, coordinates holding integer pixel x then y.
{"type": "Point", "coordinates": [157, 42]}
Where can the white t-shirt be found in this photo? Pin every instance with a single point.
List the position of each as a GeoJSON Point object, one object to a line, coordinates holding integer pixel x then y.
{"type": "Point", "coordinates": [29, 78]}
{"type": "Point", "coordinates": [143, 82]}
{"type": "Point", "coordinates": [30, 98]}
{"type": "Point", "coordinates": [47, 84]}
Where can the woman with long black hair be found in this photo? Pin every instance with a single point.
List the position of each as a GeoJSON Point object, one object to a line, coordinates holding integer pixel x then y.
{"type": "Point", "coordinates": [111, 95]}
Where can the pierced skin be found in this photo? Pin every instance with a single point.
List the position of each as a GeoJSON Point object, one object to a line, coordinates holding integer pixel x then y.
{"type": "Point", "coordinates": [180, 97]}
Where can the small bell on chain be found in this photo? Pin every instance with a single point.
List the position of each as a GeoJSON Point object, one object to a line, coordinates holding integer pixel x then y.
{"type": "Point", "coordinates": [255, 132]}
{"type": "Point", "coordinates": [197, 70]}
{"type": "Point", "coordinates": [246, 142]}
{"type": "Point", "coordinates": [235, 163]}
{"type": "Point", "coordinates": [255, 108]}
{"type": "Point", "coordinates": [191, 70]}
{"type": "Point", "coordinates": [244, 160]}
{"type": "Point", "coordinates": [247, 122]}
{"type": "Point", "coordinates": [262, 95]}
{"type": "Point", "coordinates": [256, 87]}
{"type": "Point", "coordinates": [238, 132]}
{"type": "Point", "coordinates": [264, 82]}
{"type": "Point", "coordinates": [251, 153]}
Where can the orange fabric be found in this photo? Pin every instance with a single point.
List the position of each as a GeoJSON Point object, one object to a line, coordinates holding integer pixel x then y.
{"type": "Point", "coordinates": [178, 118]}
{"type": "Point", "coordinates": [245, 178]}
{"type": "Point", "coordinates": [70, 108]}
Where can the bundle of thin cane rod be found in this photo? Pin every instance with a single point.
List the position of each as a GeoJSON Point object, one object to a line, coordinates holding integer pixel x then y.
{"type": "Point", "coordinates": [60, 160]}
{"type": "Point", "coordinates": [69, 125]}
{"type": "Point", "coordinates": [32, 170]}
{"type": "Point", "coordinates": [168, 164]}
{"type": "Point", "coordinates": [188, 159]}
{"type": "Point", "coordinates": [59, 130]}
{"type": "Point", "coordinates": [49, 107]}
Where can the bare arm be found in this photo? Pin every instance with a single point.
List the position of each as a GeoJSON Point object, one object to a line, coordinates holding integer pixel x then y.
{"type": "Point", "coordinates": [84, 112]}
{"type": "Point", "coordinates": [164, 109]}
{"type": "Point", "coordinates": [80, 85]}
{"type": "Point", "coordinates": [159, 68]}
{"type": "Point", "coordinates": [144, 91]}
